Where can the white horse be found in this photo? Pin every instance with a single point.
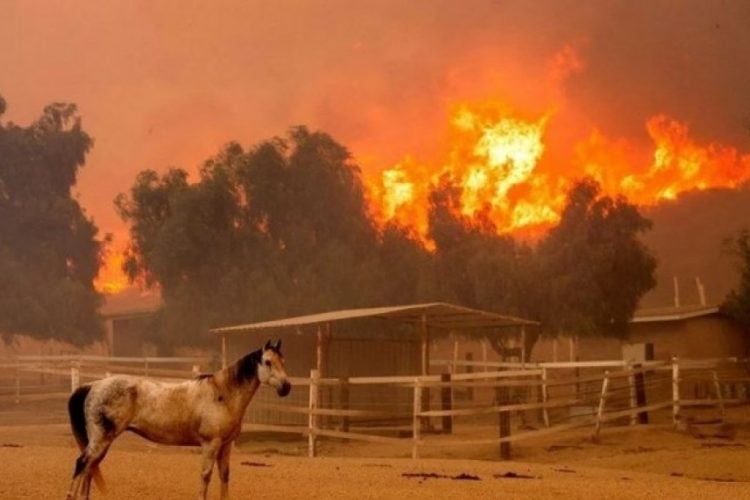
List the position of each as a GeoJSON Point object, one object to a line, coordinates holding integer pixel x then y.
{"type": "Point", "coordinates": [206, 411]}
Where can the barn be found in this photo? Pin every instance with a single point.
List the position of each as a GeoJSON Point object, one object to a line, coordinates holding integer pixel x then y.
{"type": "Point", "coordinates": [698, 331]}
{"type": "Point", "coordinates": [687, 332]}
{"type": "Point", "coordinates": [379, 341]}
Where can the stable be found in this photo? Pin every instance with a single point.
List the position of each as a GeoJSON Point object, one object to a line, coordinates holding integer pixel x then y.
{"type": "Point", "coordinates": [377, 341]}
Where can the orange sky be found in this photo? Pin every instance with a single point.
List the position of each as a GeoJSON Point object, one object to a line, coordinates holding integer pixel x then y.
{"type": "Point", "coordinates": [168, 82]}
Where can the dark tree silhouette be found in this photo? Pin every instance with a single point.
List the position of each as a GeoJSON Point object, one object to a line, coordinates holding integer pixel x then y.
{"type": "Point", "coordinates": [49, 251]}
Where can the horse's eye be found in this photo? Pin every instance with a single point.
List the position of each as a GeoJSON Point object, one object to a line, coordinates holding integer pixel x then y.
{"type": "Point", "coordinates": [268, 363]}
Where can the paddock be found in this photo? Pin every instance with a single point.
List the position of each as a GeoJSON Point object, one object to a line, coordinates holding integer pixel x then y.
{"type": "Point", "coordinates": [648, 463]}
{"type": "Point", "coordinates": [592, 444]}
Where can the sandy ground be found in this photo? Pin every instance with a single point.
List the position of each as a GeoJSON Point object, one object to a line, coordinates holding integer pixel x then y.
{"type": "Point", "coordinates": [655, 463]}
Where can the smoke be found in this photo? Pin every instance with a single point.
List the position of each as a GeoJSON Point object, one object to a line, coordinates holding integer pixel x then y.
{"type": "Point", "coordinates": [166, 83]}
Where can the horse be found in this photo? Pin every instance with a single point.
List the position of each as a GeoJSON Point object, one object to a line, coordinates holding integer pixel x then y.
{"type": "Point", "coordinates": [206, 411]}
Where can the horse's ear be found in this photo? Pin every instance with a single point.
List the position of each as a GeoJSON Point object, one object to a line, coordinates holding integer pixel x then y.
{"type": "Point", "coordinates": [268, 345]}
{"type": "Point", "coordinates": [278, 345]}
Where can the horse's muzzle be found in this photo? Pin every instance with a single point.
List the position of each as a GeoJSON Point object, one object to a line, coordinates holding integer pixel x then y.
{"type": "Point", "coordinates": [285, 389]}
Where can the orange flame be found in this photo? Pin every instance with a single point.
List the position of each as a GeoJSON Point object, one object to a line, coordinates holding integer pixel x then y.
{"type": "Point", "coordinates": [498, 159]}
{"type": "Point", "coordinates": [112, 278]}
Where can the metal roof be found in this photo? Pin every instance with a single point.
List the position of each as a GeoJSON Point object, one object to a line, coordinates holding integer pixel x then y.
{"type": "Point", "coordinates": [673, 313]}
{"type": "Point", "coordinates": [437, 314]}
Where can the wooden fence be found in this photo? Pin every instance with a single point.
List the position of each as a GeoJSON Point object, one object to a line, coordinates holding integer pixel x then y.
{"type": "Point", "coordinates": [37, 378]}
{"type": "Point", "coordinates": [555, 397]}
{"type": "Point", "coordinates": [471, 404]}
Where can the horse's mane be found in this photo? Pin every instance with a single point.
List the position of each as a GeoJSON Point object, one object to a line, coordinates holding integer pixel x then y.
{"type": "Point", "coordinates": [246, 368]}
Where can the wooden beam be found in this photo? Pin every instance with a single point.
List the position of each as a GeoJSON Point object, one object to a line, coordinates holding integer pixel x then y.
{"type": "Point", "coordinates": [223, 351]}
{"type": "Point", "coordinates": [319, 351]}
{"type": "Point", "coordinates": [425, 338]}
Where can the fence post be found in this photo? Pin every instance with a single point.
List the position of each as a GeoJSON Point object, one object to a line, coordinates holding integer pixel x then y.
{"type": "Point", "coordinates": [345, 403]}
{"type": "Point", "coordinates": [75, 378]}
{"type": "Point", "coordinates": [545, 397]}
{"type": "Point", "coordinates": [719, 395]}
{"type": "Point", "coordinates": [602, 404]}
{"type": "Point", "coordinates": [640, 393]}
{"type": "Point", "coordinates": [446, 402]}
{"type": "Point", "coordinates": [633, 395]}
{"type": "Point", "coordinates": [503, 421]}
{"type": "Point", "coordinates": [469, 369]}
{"type": "Point", "coordinates": [416, 421]}
{"type": "Point", "coordinates": [675, 391]}
{"type": "Point", "coordinates": [311, 417]}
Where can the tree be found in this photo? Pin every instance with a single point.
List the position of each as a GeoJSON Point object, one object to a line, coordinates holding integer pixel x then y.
{"type": "Point", "coordinates": [49, 251]}
{"type": "Point", "coordinates": [279, 229]}
{"type": "Point", "coordinates": [473, 264]}
{"type": "Point", "coordinates": [737, 303]}
{"type": "Point", "coordinates": [593, 265]}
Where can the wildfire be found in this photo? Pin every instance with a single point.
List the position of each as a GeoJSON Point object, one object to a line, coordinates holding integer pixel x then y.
{"type": "Point", "coordinates": [498, 158]}
{"type": "Point", "coordinates": [111, 278]}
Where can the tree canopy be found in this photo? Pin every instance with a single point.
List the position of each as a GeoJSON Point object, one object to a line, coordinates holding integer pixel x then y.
{"type": "Point", "coordinates": [593, 265]}
{"type": "Point", "coordinates": [49, 251]}
{"type": "Point", "coordinates": [283, 228]}
{"type": "Point", "coordinates": [279, 229]}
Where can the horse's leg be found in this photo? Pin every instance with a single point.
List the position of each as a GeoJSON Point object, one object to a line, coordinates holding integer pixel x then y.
{"type": "Point", "coordinates": [210, 451]}
{"type": "Point", "coordinates": [223, 462]}
{"type": "Point", "coordinates": [94, 462]}
{"type": "Point", "coordinates": [77, 476]}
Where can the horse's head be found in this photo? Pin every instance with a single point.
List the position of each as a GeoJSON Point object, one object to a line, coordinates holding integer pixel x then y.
{"type": "Point", "coordinates": [271, 368]}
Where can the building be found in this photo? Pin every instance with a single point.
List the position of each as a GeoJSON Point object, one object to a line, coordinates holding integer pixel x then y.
{"type": "Point", "coordinates": [128, 317]}
{"type": "Point", "coordinates": [688, 332]}
{"type": "Point", "coordinates": [379, 341]}
{"type": "Point", "coordinates": [700, 331]}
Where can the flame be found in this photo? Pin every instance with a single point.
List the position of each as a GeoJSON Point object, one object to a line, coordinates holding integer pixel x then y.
{"type": "Point", "coordinates": [499, 159]}
{"type": "Point", "coordinates": [111, 278]}
{"type": "Point", "coordinates": [493, 154]}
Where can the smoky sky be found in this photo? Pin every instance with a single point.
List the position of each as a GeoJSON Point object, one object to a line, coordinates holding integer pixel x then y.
{"type": "Point", "coordinates": [167, 83]}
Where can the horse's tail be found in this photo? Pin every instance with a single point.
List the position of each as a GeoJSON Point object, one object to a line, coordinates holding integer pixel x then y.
{"type": "Point", "coordinates": [77, 412]}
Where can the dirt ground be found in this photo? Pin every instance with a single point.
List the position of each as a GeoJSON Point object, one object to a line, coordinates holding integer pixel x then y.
{"type": "Point", "coordinates": [652, 463]}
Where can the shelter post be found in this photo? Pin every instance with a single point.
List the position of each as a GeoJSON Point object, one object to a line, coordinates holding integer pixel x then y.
{"type": "Point", "coordinates": [416, 421]}
{"type": "Point", "coordinates": [319, 350]}
{"type": "Point", "coordinates": [311, 416]}
{"type": "Point", "coordinates": [223, 351]}
{"type": "Point", "coordinates": [425, 336]}
{"type": "Point", "coordinates": [675, 391]}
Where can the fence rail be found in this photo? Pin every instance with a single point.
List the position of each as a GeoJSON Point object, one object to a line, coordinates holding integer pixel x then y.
{"type": "Point", "coordinates": [594, 395]}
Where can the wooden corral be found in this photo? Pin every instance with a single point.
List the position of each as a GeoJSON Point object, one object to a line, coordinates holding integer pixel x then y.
{"type": "Point", "coordinates": [381, 341]}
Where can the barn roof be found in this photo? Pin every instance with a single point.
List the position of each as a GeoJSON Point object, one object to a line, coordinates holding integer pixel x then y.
{"type": "Point", "coordinates": [437, 314]}
{"type": "Point", "coordinates": [673, 313]}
